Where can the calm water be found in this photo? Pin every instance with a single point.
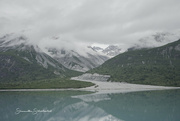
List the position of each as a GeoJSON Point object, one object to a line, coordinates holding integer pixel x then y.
{"type": "Point", "coordinates": [82, 106]}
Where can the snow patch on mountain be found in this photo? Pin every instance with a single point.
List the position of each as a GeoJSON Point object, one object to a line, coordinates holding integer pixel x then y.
{"type": "Point", "coordinates": [111, 50]}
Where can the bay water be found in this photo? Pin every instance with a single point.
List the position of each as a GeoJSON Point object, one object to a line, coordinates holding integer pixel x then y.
{"type": "Point", "coordinates": [162, 105]}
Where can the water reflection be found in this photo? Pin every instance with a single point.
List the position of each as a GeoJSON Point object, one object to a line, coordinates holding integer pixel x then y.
{"type": "Point", "coordinates": [82, 111]}
{"type": "Point", "coordinates": [82, 106]}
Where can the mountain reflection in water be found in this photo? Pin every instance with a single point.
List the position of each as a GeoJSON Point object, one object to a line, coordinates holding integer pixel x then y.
{"type": "Point", "coordinates": [85, 106]}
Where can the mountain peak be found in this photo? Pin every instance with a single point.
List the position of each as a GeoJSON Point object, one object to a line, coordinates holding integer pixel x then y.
{"type": "Point", "coordinates": [13, 39]}
{"type": "Point", "coordinates": [111, 50]}
{"type": "Point", "coordinates": [17, 42]}
{"type": "Point", "coordinates": [156, 40]}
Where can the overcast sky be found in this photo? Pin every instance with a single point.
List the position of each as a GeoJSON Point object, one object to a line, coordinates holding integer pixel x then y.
{"type": "Point", "coordinates": [91, 21]}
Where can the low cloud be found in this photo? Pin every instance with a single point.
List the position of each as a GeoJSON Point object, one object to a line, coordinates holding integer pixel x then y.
{"type": "Point", "coordinates": [88, 21]}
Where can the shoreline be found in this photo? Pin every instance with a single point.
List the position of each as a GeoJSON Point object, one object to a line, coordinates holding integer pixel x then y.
{"type": "Point", "coordinates": [35, 90]}
{"type": "Point", "coordinates": [103, 87]}
{"type": "Point", "coordinates": [121, 87]}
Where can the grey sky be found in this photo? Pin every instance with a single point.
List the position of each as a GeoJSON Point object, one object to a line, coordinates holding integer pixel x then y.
{"type": "Point", "coordinates": [100, 21]}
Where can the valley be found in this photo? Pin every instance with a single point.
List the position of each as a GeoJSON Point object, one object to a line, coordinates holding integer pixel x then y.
{"type": "Point", "coordinates": [24, 65]}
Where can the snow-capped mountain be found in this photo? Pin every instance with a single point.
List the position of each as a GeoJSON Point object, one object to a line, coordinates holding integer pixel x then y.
{"type": "Point", "coordinates": [111, 50]}
{"type": "Point", "coordinates": [12, 41]}
{"type": "Point", "coordinates": [82, 59]}
{"type": "Point", "coordinates": [21, 48]}
{"type": "Point", "coordinates": [91, 57]}
{"type": "Point", "coordinates": [157, 39]}
{"type": "Point", "coordinates": [73, 60]}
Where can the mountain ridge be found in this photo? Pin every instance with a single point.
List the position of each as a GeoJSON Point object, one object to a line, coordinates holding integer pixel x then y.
{"type": "Point", "coordinates": [155, 66]}
{"type": "Point", "coordinates": [26, 62]}
{"type": "Point", "coordinates": [76, 61]}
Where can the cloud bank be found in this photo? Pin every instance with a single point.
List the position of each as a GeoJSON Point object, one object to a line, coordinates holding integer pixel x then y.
{"type": "Point", "coordinates": [88, 21]}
